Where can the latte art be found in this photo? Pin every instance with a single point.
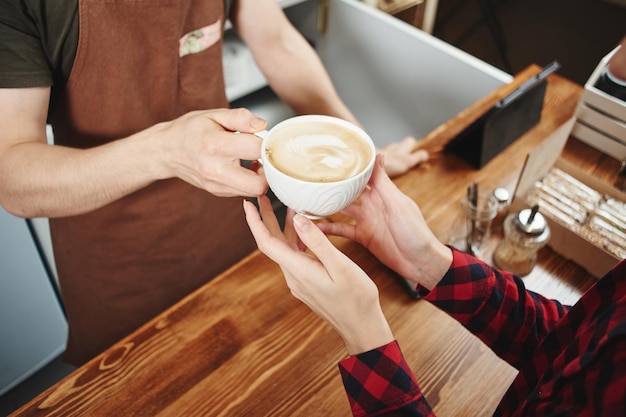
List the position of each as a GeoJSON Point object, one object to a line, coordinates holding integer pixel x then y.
{"type": "Point", "coordinates": [317, 165]}
{"type": "Point", "coordinates": [323, 156]}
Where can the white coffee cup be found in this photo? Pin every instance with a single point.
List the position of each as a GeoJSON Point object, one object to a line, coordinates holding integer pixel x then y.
{"type": "Point", "coordinates": [317, 165]}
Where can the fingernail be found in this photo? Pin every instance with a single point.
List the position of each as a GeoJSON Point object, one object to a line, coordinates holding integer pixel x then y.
{"type": "Point", "coordinates": [257, 122]}
{"type": "Point", "coordinates": [381, 160]}
{"type": "Point", "coordinates": [301, 223]}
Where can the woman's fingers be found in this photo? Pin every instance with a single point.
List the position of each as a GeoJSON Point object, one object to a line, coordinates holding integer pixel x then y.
{"type": "Point", "coordinates": [268, 216]}
{"type": "Point", "coordinates": [344, 230]}
{"type": "Point", "coordinates": [332, 258]}
{"type": "Point", "coordinates": [290, 233]}
{"type": "Point", "coordinates": [259, 231]}
{"type": "Point", "coordinates": [273, 243]}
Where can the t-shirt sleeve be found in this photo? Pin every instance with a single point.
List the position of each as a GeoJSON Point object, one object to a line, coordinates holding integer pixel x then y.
{"type": "Point", "coordinates": [23, 61]}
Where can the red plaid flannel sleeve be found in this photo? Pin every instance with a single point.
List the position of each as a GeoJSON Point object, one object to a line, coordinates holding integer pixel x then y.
{"type": "Point", "coordinates": [496, 307]}
{"type": "Point", "coordinates": [580, 368]}
{"type": "Point", "coordinates": [380, 383]}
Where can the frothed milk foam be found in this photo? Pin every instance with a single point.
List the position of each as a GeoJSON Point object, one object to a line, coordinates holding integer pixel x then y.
{"type": "Point", "coordinates": [318, 152]}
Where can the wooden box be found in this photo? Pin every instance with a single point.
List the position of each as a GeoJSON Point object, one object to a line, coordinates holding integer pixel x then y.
{"type": "Point", "coordinates": [563, 240]}
{"type": "Point", "coordinates": [601, 118]}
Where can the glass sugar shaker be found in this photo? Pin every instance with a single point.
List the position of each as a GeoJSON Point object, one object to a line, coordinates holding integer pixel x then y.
{"type": "Point", "coordinates": [503, 197]}
{"type": "Point", "coordinates": [525, 233]}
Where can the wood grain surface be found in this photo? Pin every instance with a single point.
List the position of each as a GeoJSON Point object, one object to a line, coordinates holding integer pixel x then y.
{"type": "Point", "coordinates": [243, 346]}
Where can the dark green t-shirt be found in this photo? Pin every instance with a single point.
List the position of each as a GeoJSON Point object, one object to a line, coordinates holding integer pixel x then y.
{"type": "Point", "coordinates": [38, 42]}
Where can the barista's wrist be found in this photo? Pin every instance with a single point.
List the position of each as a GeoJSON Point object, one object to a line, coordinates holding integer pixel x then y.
{"type": "Point", "coordinates": [162, 156]}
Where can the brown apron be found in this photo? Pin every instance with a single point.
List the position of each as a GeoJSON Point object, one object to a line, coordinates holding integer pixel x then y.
{"type": "Point", "coordinates": [124, 263]}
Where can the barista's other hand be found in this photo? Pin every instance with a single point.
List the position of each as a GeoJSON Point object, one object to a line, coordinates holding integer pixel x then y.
{"type": "Point", "coordinates": [333, 286]}
{"type": "Point", "coordinates": [402, 156]}
{"type": "Point", "coordinates": [391, 226]}
{"type": "Point", "coordinates": [204, 149]}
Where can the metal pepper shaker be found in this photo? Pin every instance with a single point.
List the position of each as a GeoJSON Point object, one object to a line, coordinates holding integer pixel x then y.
{"type": "Point", "coordinates": [525, 232]}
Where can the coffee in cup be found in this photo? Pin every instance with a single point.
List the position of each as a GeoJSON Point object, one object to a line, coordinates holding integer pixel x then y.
{"type": "Point", "coordinates": [317, 165]}
{"type": "Point", "coordinates": [318, 151]}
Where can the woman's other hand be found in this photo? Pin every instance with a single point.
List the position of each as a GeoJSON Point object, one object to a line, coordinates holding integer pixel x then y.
{"type": "Point", "coordinates": [327, 281]}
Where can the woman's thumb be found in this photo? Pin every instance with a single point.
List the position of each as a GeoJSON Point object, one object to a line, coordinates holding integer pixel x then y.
{"type": "Point", "coordinates": [312, 237]}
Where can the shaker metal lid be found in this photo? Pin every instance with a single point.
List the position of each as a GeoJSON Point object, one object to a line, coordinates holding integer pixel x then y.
{"type": "Point", "coordinates": [501, 194]}
{"type": "Point", "coordinates": [530, 221]}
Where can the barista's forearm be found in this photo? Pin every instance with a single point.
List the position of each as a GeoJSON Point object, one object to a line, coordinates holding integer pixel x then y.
{"type": "Point", "coordinates": [66, 181]}
{"type": "Point", "coordinates": [304, 83]}
{"type": "Point", "coordinates": [292, 67]}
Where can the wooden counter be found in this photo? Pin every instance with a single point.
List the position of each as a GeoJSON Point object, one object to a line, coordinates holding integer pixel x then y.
{"type": "Point", "coordinates": [243, 346]}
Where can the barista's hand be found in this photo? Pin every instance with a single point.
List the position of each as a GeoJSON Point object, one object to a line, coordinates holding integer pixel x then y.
{"type": "Point", "coordinates": [402, 156]}
{"type": "Point", "coordinates": [391, 226]}
{"type": "Point", "coordinates": [203, 148]}
{"type": "Point", "coordinates": [333, 286]}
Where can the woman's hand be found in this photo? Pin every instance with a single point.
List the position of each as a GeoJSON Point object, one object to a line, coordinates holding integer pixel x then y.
{"type": "Point", "coordinates": [391, 226]}
{"type": "Point", "coordinates": [333, 286]}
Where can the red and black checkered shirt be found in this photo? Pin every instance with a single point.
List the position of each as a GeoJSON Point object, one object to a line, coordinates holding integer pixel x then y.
{"type": "Point", "coordinates": [571, 360]}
